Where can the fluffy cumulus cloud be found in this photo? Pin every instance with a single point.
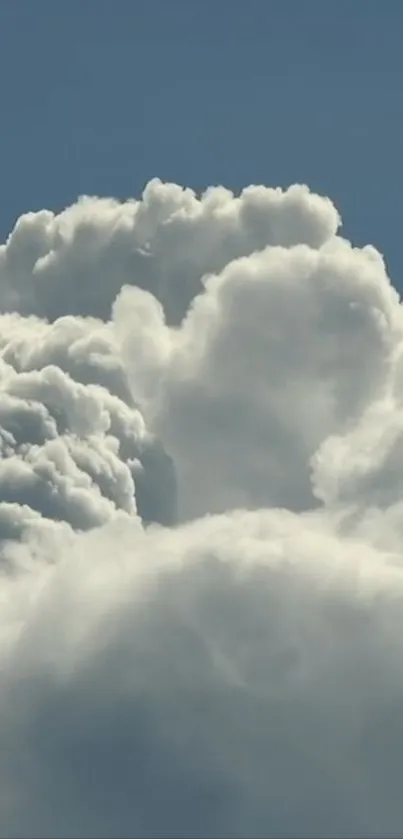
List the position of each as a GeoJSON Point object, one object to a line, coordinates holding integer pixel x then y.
{"type": "Point", "coordinates": [201, 507]}
{"type": "Point", "coordinates": [76, 262]}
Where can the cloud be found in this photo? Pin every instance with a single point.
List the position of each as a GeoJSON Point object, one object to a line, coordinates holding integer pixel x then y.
{"type": "Point", "coordinates": [282, 349]}
{"type": "Point", "coordinates": [201, 590]}
{"type": "Point", "coordinates": [77, 261]}
{"type": "Point", "coordinates": [238, 676]}
{"type": "Point", "coordinates": [74, 446]}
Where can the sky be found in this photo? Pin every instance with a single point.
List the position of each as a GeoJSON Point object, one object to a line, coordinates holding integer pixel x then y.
{"type": "Point", "coordinates": [201, 421]}
{"type": "Point", "coordinates": [98, 97]}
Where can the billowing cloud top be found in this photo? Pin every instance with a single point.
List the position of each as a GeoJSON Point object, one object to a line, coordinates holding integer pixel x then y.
{"type": "Point", "coordinates": [76, 262]}
{"type": "Point", "coordinates": [201, 439]}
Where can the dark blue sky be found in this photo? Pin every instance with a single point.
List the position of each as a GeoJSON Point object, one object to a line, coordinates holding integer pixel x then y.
{"type": "Point", "coordinates": [98, 96]}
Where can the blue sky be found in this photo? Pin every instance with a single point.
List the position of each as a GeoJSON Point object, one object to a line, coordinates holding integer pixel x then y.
{"type": "Point", "coordinates": [98, 97]}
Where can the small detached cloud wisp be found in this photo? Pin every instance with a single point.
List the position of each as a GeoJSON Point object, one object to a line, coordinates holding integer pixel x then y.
{"type": "Point", "coordinates": [201, 521]}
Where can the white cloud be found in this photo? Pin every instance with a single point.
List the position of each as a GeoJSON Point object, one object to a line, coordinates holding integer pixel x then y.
{"type": "Point", "coordinates": [239, 676]}
{"type": "Point", "coordinates": [238, 672]}
{"type": "Point", "coordinates": [73, 443]}
{"type": "Point", "coordinates": [282, 349]}
{"type": "Point", "coordinates": [77, 261]}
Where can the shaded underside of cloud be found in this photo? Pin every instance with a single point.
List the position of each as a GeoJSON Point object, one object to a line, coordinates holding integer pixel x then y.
{"type": "Point", "coordinates": [201, 590]}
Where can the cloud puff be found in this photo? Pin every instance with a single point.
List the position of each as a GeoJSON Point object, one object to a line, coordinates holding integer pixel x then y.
{"type": "Point", "coordinates": [201, 581]}
{"type": "Point", "coordinates": [73, 444]}
{"type": "Point", "coordinates": [76, 262]}
{"type": "Point", "coordinates": [238, 676]}
{"type": "Point", "coordinates": [282, 349]}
